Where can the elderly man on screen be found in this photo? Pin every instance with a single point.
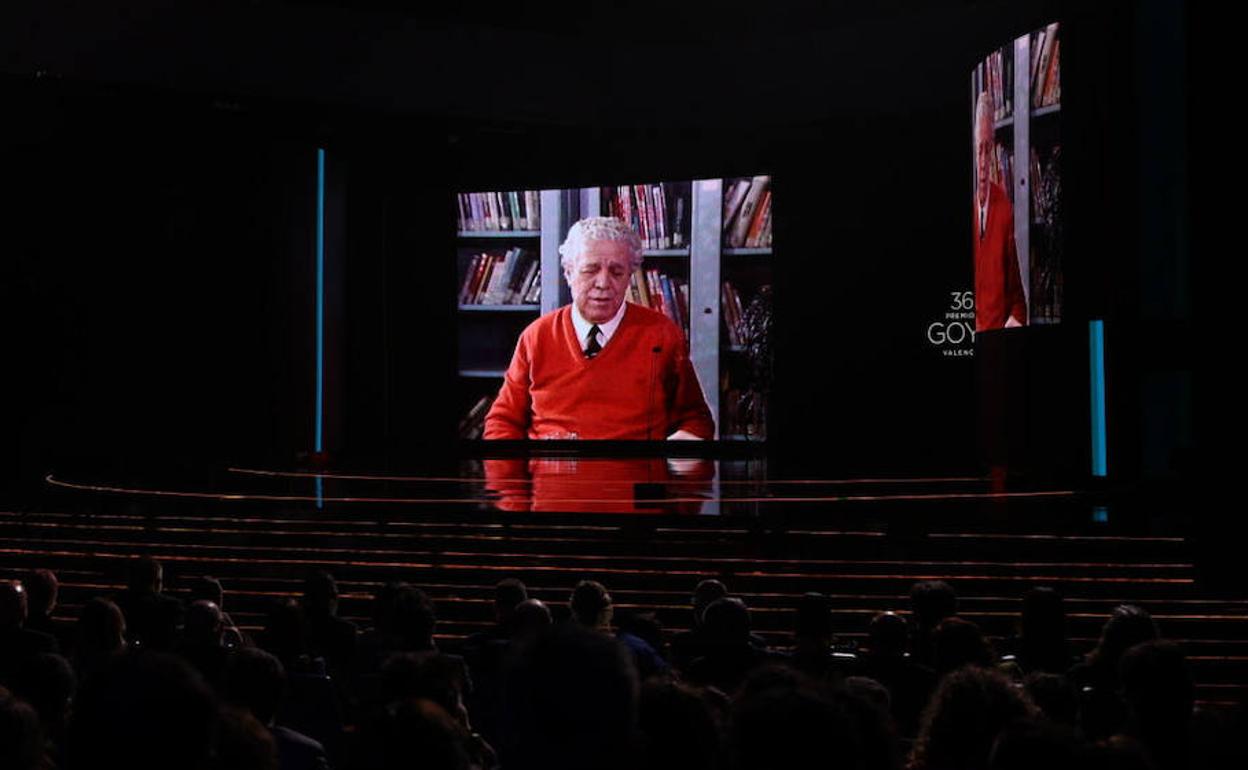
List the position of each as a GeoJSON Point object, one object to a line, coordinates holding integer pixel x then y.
{"type": "Point", "coordinates": [600, 368]}
{"type": "Point", "coordinates": [999, 300]}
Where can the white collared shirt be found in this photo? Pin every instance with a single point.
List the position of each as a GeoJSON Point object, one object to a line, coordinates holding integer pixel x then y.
{"type": "Point", "coordinates": [605, 330]}
{"type": "Point", "coordinates": [983, 217]}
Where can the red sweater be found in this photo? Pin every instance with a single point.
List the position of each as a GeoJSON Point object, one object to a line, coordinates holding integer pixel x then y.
{"type": "Point", "coordinates": [998, 284]}
{"type": "Point", "coordinates": [640, 386]}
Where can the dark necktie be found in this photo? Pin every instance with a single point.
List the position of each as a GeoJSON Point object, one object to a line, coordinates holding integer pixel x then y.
{"type": "Point", "coordinates": [592, 348]}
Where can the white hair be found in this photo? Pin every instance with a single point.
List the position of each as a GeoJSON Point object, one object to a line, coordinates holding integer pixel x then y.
{"type": "Point", "coordinates": [599, 229]}
{"type": "Point", "coordinates": [983, 116]}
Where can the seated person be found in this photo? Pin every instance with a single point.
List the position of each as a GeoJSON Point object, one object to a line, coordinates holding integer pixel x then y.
{"type": "Point", "coordinates": [600, 368]}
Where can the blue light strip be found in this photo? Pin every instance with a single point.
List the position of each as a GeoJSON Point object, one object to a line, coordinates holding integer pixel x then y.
{"type": "Point", "coordinates": [1096, 350]}
{"type": "Point", "coordinates": [320, 298]}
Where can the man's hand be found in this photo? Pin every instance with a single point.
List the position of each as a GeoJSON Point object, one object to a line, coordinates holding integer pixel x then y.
{"type": "Point", "coordinates": [1012, 322]}
{"type": "Point", "coordinates": [683, 435]}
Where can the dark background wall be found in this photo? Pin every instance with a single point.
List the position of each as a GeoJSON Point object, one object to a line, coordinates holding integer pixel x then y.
{"type": "Point", "coordinates": [158, 248]}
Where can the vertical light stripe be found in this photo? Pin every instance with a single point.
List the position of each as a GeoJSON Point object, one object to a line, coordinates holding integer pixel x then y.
{"type": "Point", "coordinates": [1096, 351]}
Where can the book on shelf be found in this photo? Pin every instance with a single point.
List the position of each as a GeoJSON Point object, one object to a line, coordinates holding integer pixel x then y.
{"type": "Point", "coordinates": [1045, 78]}
{"type": "Point", "coordinates": [728, 314]}
{"type": "Point", "coordinates": [665, 293]}
{"type": "Point", "coordinates": [499, 211]}
{"type": "Point", "coordinates": [501, 279]}
{"type": "Point", "coordinates": [734, 196]}
{"type": "Point", "coordinates": [1045, 183]}
{"type": "Point", "coordinates": [760, 229]}
{"type": "Point", "coordinates": [733, 315]}
{"type": "Point", "coordinates": [1001, 82]}
{"type": "Point", "coordinates": [656, 212]}
{"type": "Point", "coordinates": [996, 77]}
{"type": "Point", "coordinates": [1003, 167]}
{"type": "Point", "coordinates": [742, 204]}
{"type": "Point", "coordinates": [1052, 93]}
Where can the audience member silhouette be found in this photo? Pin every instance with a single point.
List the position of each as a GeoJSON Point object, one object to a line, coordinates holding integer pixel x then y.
{"type": "Point", "coordinates": [242, 743]}
{"type": "Point", "coordinates": [202, 644]}
{"type": "Point", "coordinates": [152, 616]}
{"type": "Point", "coordinates": [591, 607]}
{"type": "Point", "coordinates": [1036, 745]}
{"type": "Point", "coordinates": [17, 643]}
{"type": "Point", "coordinates": [508, 593]}
{"type": "Point", "coordinates": [1158, 694]}
{"type": "Point", "coordinates": [571, 703]}
{"type": "Point", "coordinates": [679, 728]}
{"type": "Point", "coordinates": [413, 734]}
{"type": "Point", "coordinates": [931, 601]}
{"type": "Point", "coordinates": [885, 660]}
{"type": "Point", "coordinates": [1217, 736]}
{"type": "Point", "coordinates": [42, 589]}
{"type": "Point", "coordinates": [47, 683]}
{"type": "Point", "coordinates": [441, 679]}
{"type": "Point", "coordinates": [208, 588]}
{"type": "Point", "coordinates": [646, 627]}
{"type": "Point", "coordinates": [1119, 753]}
{"type": "Point", "coordinates": [865, 701]}
{"type": "Point", "coordinates": [285, 635]}
{"type": "Point", "coordinates": [870, 690]}
{"type": "Point", "coordinates": [790, 725]}
{"type": "Point", "coordinates": [1041, 643]}
{"type": "Point", "coordinates": [142, 710]}
{"type": "Point", "coordinates": [101, 634]}
{"type": "Point", "coordinates": [728, 654]}
{"type": "Point", "coordinates": [21, 737]}
{"type": "Point", "coordinates": [485, 652]}
{"type": "Point", "coordinates": [488, 666]}
{"type": "Point", "coordinates": [957, 642]}
{"type": "Point", "coordinates": [415, 620]}
{"type": "Point", "coordinates": [375, 643]}
{"type": "Point", "coordinates": [328, 636]}
{"type": "Point", "coordinates": [256, 681]}
{"type": "Point", "coordinates": [813, 652]}
{"type": "Point", "coordinates": [1096, 677]}
{"type": "Point", "coordinates": [405, 620]}
{"type": "Point", "coordinates": [1055, 696]}
{"type": "Point", "coordinates": [970, 707]}
{"type": "Point", "coordinates": [531, 618]}
{"type": "Point", "coordinates": [686, 646]}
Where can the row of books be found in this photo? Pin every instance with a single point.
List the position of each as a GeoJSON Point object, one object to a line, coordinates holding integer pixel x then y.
{"type": "Point", "coordinates": [659, 213]}
{"type": "Point", "coordinates": [659, 291]}
{"type": "Point", "coordinates": [747, 213]}
{"type": "Point", "coordinates": [1046, 81]}
{"type": "Point", "coordinates": [513, 278]}
{"type": "Point", "coordinates": [733, 314]}
{"type": "Point", "coordinates": [743, 412]}
{"type": "Point", "coordinates": [1046, 188]}
{"type": "Point", "coordinates": [511, 210]}
{"type": "Point", "coordinates": [996, 76]}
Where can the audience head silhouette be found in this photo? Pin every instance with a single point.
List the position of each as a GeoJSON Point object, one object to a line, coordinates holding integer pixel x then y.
{"type": "Point", "coordinates": [591, 605]}
{"type": "Point", "coordinates": [571, 702]}
{"type": "Point", "coordinates": [145, 576]}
